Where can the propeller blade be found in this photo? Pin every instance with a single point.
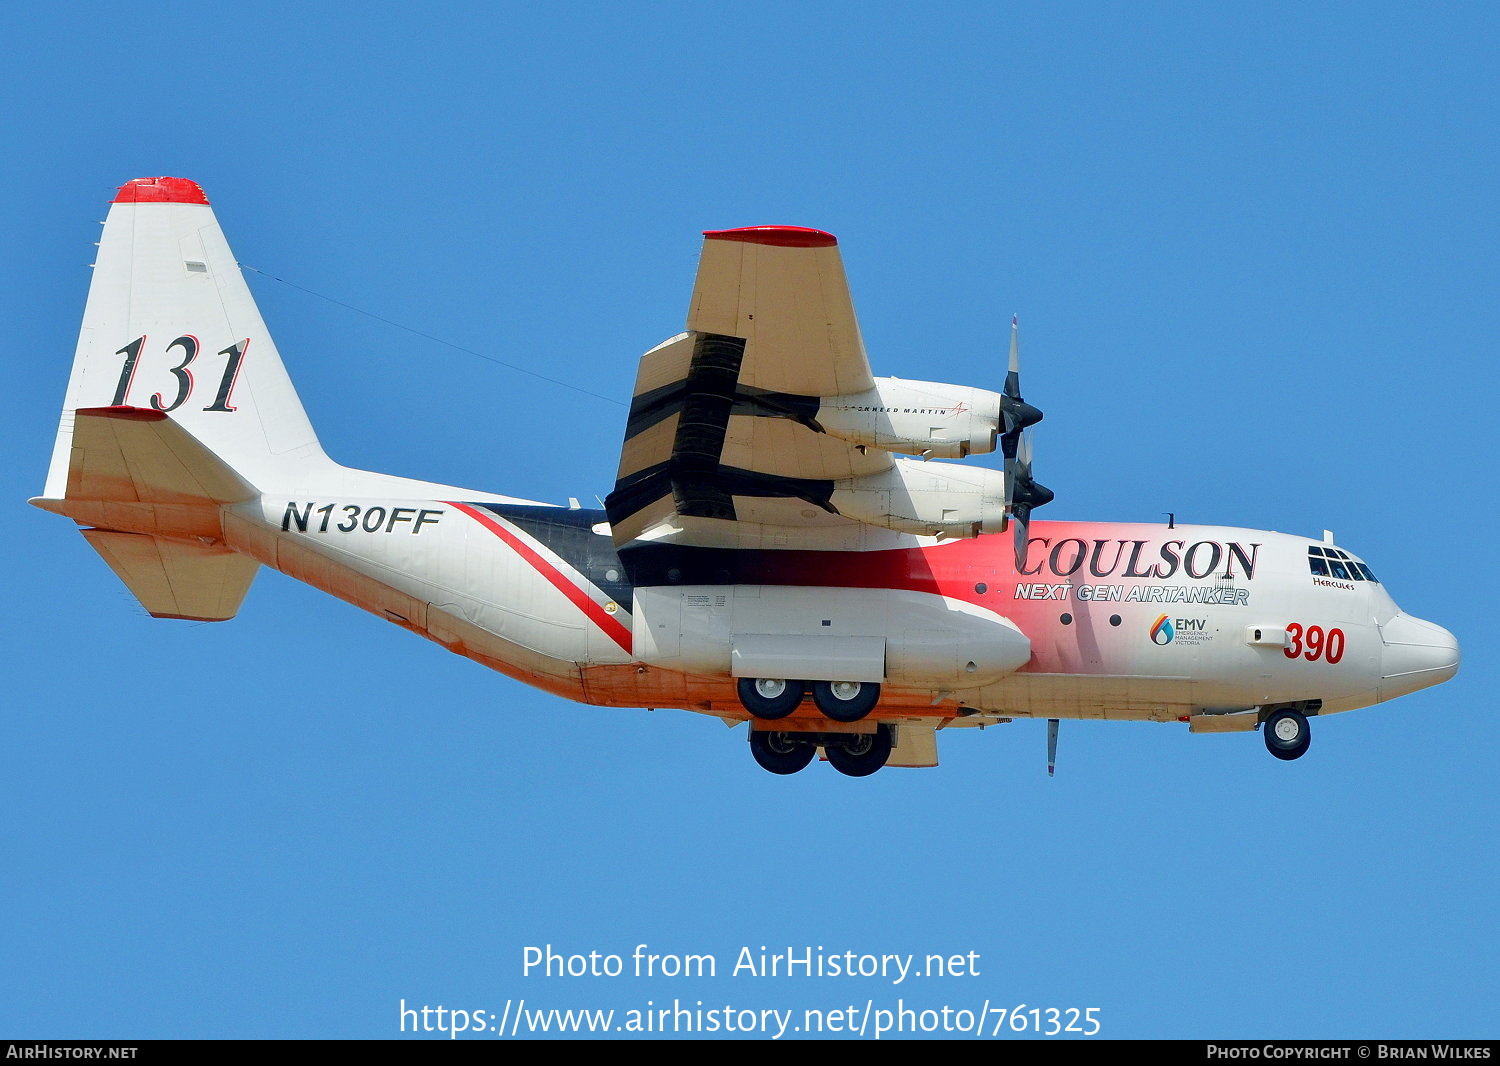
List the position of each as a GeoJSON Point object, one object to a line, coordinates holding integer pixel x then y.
{"type": "Point", "coordinates": [1008, 446]}
{"type": "Point", "coordinates": [1022, 493]}
{"type": "Point", "coordinates": [1016, 413]}
{"type": "Point", "coordinates": [1010, 431]}
{"type": "Point", "coordinates": [1013, 376]}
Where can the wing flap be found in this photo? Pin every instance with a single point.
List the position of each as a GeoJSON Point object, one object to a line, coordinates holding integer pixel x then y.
{"type": "Point", "coordinates": [783, 447]}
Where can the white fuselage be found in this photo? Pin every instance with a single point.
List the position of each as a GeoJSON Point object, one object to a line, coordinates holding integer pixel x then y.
{"type": "Point", "coordinates": [1103, 620]}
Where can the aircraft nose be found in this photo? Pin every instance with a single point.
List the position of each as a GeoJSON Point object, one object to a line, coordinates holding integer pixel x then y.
{"type": "Point", "coordinates": [1417, 654]}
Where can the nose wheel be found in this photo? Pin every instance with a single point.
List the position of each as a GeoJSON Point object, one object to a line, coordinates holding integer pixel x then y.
{"type": "Point", "coordinates": [1287, 734]}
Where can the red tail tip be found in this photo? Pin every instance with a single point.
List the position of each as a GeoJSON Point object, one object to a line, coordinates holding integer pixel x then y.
{"type": "Point", "coordinates": [780, 236]}
{"type": "Point", "coordinates": [160, 191]}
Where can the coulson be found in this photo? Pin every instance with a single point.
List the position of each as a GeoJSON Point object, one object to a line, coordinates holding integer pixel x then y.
{"type": "Point", "coordinates": [1139, 558]}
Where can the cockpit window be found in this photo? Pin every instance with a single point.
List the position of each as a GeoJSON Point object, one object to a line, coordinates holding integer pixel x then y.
{"type": "Point", "coordinates": [1336, 563]}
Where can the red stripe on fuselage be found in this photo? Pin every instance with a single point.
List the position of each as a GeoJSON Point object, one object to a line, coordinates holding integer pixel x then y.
{"type": "Point", "coordinates": [580, 599]}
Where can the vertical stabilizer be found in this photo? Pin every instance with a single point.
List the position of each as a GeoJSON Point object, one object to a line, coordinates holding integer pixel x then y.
{"type": "Point", "coordinates": [170, 326]}
{"type": "Point", "coordinates": [179, 410]}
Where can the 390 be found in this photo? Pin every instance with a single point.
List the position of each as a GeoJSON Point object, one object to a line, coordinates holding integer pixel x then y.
{"type": "Point", "coordinates": [1313, 643]}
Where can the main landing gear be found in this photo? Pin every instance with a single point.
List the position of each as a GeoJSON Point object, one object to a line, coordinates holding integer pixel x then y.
{"type": "Point", "coordinates": [771, 698]}
{"type": "Point", "coordinates": [782, 753]}
{"type": "Point", "coordinates": [1287, 733]}
{"type": "Point", "coordinates": [785, 752]}
{"type": "Point", "coordinates": [859, 754]}
{"type": "Point", "coordinates": [845, 701]}
{"type": "Point", "coordinates": [851, 754]}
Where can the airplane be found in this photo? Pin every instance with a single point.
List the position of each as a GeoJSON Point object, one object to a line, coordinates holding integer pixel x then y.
{"type": "Point", "coordinates": [791, 542]}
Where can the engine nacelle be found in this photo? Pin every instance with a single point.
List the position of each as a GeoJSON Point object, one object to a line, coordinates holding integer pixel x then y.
{"type": "Point", "coordinates": [915, 418]}
{"type": "Point", "coordinates": [930, 499]}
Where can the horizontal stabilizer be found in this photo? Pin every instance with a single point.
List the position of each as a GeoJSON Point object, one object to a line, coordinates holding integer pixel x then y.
{"type": "Point", "coordinates": [135, 454]}
{"type": "Point", "coordinates": [137, 470]}
{"type": "Point", "coordinates": [177, 579]}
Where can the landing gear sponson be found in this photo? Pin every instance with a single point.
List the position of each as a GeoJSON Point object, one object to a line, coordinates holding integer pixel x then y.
{"type": "Point", "coordinates": [852, 754]}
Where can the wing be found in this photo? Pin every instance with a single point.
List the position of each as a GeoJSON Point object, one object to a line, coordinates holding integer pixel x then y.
{"type": "Point", "coordinates": [723, 424]}
{"type": "Point", "coordinates": [762, 426]}
{"type": "Point", "coordinates": [782, 290]}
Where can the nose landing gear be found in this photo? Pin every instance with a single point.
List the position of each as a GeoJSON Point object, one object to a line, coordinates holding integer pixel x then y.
{"type": "Point", "coordinates": [1287, 733]}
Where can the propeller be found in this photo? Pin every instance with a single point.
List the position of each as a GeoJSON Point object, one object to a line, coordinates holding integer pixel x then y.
{"type": "Point", "coordinates": [1022, 493]}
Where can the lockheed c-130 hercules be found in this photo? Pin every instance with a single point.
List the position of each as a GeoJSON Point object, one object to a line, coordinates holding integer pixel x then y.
{"type": "Point", "coordinates": [791, 542]}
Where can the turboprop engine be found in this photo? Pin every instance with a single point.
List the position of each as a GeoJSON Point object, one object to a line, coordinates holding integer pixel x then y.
{"type": "Point", "coordinates": [929, 499]}
{"type": "Point", "coordinates": [925, 418]}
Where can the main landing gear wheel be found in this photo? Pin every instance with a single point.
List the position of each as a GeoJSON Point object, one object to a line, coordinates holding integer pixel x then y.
{"type": "Point", "coordinates": [859, 754]}
{"type": "Point", "coordinates": [1287, 734]}
{"type": "Point", "coordinates": [845, 701]}
{"type": "Point", "coordinates": [771, 697]}
{"type": "Point", "coordinates": [781, 753]}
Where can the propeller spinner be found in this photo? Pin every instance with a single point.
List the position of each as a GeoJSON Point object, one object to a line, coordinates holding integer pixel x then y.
{"type": "Point", "coordinates": [1022, 492]}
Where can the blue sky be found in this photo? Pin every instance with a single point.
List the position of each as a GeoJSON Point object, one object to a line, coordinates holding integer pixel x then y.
{"type": "Point", "coordinates": [1254, 255]}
